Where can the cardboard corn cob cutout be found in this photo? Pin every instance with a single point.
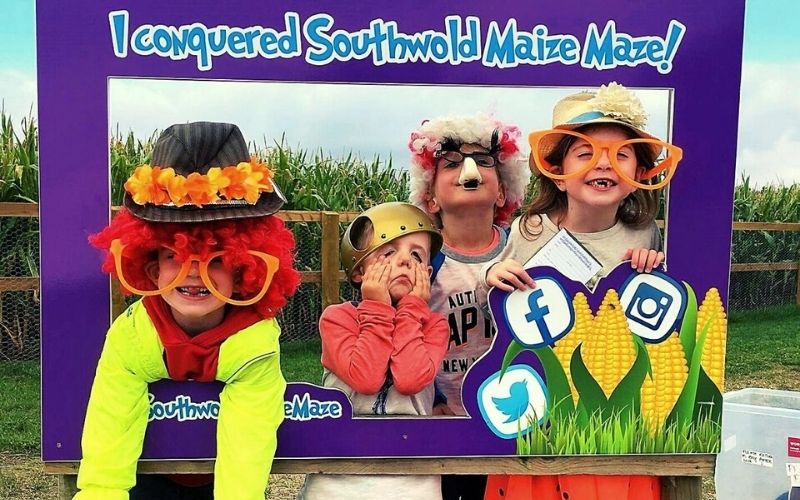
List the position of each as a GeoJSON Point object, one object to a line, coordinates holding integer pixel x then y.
{"type": "Point", "coordinates": [713, 360]}
{"type": "Point", "coordinates": [661, 391]}
{"type": "Point", "coordinates": [608, 351]}
{"type": "Point", "coordinates": [566, 346]}
{"type": "Point", "coordinates": [603, 380]}
{"type": "Point", "coordinates": [628, 362]}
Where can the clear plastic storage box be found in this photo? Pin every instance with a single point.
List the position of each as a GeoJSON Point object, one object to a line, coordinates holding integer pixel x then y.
{"type": "Point", "coordinates": [760, 435]}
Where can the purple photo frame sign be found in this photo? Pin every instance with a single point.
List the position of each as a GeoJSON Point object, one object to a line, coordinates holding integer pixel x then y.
{"type": "Point", "coordinates": [81, 44]}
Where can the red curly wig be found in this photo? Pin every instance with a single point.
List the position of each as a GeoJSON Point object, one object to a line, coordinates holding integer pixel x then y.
{"type": "Point", "coordinates": [143, 239]}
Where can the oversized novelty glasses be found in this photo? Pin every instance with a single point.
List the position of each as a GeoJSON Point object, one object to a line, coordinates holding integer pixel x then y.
{"type": "Point", "coordinates": [588, 151]}
{"type": "Point", "coordinates": [213, 259]}
{"type": "Point", "coordinates": [456, 158]}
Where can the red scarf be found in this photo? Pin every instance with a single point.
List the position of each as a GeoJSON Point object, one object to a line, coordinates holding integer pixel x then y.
{"type": "Point", "coordinates": [194, 358]}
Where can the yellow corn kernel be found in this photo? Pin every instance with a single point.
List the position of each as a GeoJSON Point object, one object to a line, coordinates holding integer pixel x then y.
{"type": "Point", "coordinates": [670, 371]}
{"type": "Point", "coordinates": [609, 350]}
{"type": "Point", "coordinates": [713, 357]}
{"type": "Point", "coordinates": [568, 343]}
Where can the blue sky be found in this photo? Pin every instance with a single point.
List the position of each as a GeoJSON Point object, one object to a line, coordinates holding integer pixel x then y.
{"type": "Point", "coordinates": [769, 90]}
{"type": "Point", "coordinates": [771, 31]}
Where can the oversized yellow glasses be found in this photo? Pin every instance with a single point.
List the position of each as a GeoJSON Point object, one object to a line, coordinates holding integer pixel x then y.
{"type": "Point", "coordinates": [667, 156]}
{"type": "Point", "coordinates": [271, 262]}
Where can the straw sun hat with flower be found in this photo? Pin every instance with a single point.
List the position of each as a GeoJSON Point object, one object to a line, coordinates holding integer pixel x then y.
{"type": "Point", "coordinates": [612, 104]}
{"type": "Point", "coordinates": [200, 172]}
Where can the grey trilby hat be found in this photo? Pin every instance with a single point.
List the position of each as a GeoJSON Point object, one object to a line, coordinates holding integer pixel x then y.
{"type": "Point", "coordinates": [197, 147]}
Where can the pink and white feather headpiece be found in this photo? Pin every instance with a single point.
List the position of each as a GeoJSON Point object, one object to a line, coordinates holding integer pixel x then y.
{"type": "Point", "coordinates": [512, 168]}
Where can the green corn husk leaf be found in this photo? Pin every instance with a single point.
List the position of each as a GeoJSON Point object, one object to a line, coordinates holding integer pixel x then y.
{"type": "Point", "coordinates": [559, 396]}
{"type": "Point", "coordinates": [513, 350]}
{"type": "Point", "coordinates": [689, 322]}
{"type": "Point", "coordinates": [582, 416]}
{"type": "Point", "coordinates": [708, 400]}
{"type": "Point", "coordinates": [626, 396]}
{"type": "Point", "coordinates": [591, 394]}
{"type": "Point", "coordinates": [685, 407]}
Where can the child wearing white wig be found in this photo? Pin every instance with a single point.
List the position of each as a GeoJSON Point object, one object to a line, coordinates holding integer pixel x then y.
{"type": "Point", "coordinates": [469, 174]}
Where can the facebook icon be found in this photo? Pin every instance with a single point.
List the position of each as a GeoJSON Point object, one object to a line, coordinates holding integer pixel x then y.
{"type": "Point", "coordinates": [540, 316]}
{"type": "Point", "coordinates": [537, 313]}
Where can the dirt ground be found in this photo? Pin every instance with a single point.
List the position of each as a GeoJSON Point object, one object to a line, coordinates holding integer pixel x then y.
{"type": "Point", "coordinates": [284, 486]}
{"type": "Point", "coordinates": [22, 477]}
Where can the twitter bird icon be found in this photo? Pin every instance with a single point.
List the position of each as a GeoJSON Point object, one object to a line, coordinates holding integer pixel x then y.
{"type": "Point", "coordinates": [516, 403]}
{"type": "Point", "coordinates": [511, 405]}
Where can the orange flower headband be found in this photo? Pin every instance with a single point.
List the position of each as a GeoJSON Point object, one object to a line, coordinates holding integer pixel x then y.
{"type": "Point", "coordinates": [161, 186]}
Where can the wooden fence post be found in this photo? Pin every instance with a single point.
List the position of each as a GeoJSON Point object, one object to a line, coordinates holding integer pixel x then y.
{"type": "Point", "coordinates": [681, 488]}
{"type": "Point", "coordinates": [67, 486]}
{"type": "Point", "coordinates": [329, 259]}
{"type": "Point", "coordinates": [797, 292]}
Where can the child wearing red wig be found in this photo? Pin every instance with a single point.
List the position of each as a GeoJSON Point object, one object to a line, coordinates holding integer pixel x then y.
{"type": "Point", "coordinates": [197, 239]}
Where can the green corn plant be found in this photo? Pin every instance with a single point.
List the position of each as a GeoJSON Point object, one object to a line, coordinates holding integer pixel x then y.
{"type": "Point", "coordinates": [771, 203]}
{"type": "Point", "coordinates": [126, 153]}
{"type": "Point", "coordinates": [19, 160]}
{"type": "Point", "coordinates": [19, 237]}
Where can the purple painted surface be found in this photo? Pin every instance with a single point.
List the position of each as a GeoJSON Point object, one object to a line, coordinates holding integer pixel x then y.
{"type": "Point", "coordinates": [75, 58]}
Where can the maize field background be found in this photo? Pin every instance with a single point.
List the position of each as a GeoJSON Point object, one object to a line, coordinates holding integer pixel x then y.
{"type": "Point", "coordinates": [315, 180]}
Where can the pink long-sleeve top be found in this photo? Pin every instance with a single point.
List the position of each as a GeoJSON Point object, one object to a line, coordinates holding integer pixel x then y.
{"type": "Point", "coordinates": [362, 344]}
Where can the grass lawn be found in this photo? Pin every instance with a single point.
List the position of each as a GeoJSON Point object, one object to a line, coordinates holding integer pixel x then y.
{"type": "Point", "coordinates": [763, 351]}
{"type": "Point", "coordinates": [21, 475]}
{"type": "Point", "coordinates": [19, 407]}
{"type": "Point", "coordinates": [300, 361]}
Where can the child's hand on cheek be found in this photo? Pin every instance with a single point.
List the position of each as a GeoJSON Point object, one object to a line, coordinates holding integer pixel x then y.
{"type": "Point", "coordinates": [509, 275]}
{"type": "Point", "coordinates": [644, 259]}
{"type": "Point", "coordinates": [422, 282]}
{"type": "Point", "coordinates": [375, 283]}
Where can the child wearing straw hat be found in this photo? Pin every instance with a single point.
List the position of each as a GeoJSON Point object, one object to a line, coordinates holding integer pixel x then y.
{"type": "Point", "coordinates": [598, 174]}
{"type": "Point", "coordinates": [198, 240]}
{"type": "Point", "coordinates": [384, 351]}
{"type": "Point", "coordinates": [468, 173]}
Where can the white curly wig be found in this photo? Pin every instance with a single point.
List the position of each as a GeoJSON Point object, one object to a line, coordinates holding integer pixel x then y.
{"type": "Point", "coordinates": [512, 168]}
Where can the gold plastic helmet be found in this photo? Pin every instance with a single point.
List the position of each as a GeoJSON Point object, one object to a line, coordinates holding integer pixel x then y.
{"type": "Point", "coordinates": [389, 222]}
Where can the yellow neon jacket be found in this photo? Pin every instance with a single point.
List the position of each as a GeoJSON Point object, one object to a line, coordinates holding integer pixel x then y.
{"type": "Point", "coordinates": [251, 409]}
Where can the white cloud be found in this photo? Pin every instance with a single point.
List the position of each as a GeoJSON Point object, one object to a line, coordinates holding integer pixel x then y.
{"type": "Point", "coordinates": [337, 118]}
{"type": "Point", "coordinates": [776, 163]}
{"type": "Point", "coordinates": [769, 124]}
{"type": "Point", "coordinates": [18, 93]}
{"type": "Point", "coordinates": [375, 119]}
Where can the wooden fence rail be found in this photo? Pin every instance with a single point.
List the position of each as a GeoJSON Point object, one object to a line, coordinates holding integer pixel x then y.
{"type": "Point", "coordinates": [330, 276]}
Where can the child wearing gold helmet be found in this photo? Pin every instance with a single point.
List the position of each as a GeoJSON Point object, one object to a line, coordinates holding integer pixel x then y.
{"type": "Point", "coordinates": [384, 351]}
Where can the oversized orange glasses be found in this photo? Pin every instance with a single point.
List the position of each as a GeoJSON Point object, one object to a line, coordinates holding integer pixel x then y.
{"type": "Point", "coordinates": [271, 262]}
{"type": "Point", "coordinates": [667, 156]}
